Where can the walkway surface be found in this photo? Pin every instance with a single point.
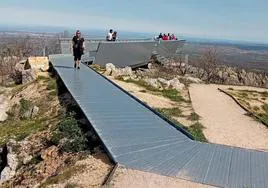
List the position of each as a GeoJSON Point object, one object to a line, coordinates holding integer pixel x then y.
{"type": "Point", "coordinates": [225, 121]}
{"type": "Point", "coordinates": [137, 138]}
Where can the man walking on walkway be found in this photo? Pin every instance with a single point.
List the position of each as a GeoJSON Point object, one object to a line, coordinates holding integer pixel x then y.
{"type": "Point", "coordinates": [78, 48]}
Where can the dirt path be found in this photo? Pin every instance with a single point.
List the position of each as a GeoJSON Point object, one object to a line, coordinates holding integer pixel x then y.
{"type": "Point", "coordinates": [152, 100]}
{"type": "Point", "coordinates": [137, 179]}
{"type": "Point", "coordinates": [225, 122]}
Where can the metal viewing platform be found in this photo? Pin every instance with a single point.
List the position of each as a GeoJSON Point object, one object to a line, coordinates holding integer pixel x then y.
{"type": "Point", "coordinates": [137, 137]}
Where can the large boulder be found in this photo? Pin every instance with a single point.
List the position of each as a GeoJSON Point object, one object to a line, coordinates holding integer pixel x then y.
{"type": "Point", "coordinates": [127, 71]}
{"type": "Point", "coordinates": [109, 69]}
{"type": "Point", "coordinates": [37, 63]}
{"type": "Point", "coordinates": [29, 75]}
{"type": "Point", "coordinates": [176, 84]}
{"type": "Point", "coordinates": [51, 161]}
{"type": "Point", "coordinates": [153, 82]}
{"type": "Point", "coordinates": [165, 83]}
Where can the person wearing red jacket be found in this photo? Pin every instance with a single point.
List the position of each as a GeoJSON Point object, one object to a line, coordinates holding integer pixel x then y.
{"type": "Point", "coordinates": [165, 37]}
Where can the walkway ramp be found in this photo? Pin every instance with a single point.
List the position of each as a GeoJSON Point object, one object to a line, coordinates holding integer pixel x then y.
{"type": "Point", "coordinates": [133, 53]}
{"type": "Point", "coordinates": [138, 138]}
{"type": "Point", "coordinates": [124, 54]}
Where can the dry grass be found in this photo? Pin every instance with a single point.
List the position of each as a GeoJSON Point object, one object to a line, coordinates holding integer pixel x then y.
{"type": "Point", "coordinates": [255, 101]}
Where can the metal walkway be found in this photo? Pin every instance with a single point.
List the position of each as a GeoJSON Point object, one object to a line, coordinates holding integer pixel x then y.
{"type": "Point", "coordinates": [124, 53]}
{"type": "Point", "coordinates": [137, 138]}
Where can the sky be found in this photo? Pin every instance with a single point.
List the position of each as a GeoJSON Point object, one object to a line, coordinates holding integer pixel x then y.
{"type": "Point", "coordinates": [224, 19]}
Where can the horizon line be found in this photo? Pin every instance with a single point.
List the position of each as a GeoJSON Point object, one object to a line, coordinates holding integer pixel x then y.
{"type": "Point", "coordinates": [29, 28]}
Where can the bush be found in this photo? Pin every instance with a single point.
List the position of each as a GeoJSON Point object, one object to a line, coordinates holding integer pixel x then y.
{"type": "Point", "coordinates": [256, 108]}
{"type": "Point", "coordinates": [265, 107]}
{"type": "Point", "coordinates": [173, 95]}
{"type": "Point", "coordinates": [194, 117]}
{"type": "Point", "coordinates": [71, 135]}
{"type": "Point", "coordinates": [25, 106]}
{"type": "Point", "coordinates": [264, 118]}
{"type": "Point", "coordinates": [196, 131]}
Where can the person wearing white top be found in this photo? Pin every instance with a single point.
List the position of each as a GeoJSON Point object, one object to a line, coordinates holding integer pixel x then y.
{"type": "Point", "coordinates": [109, 36]}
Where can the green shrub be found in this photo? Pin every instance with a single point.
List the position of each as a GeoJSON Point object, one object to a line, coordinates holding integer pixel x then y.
{"type": "Point", "coordinates": [265, 107]}
{"type": "Point", "coordinates": [173, 95]}
{"type": "Point", "coordinates": [44, 78]}
{"type": "Point", "coordinates": [25, 106]}
{"type": "Point", "coordinates": [264, 118]}
{"type": "Point", "coordinates": [75, 140]}
{"type": "Point", "coordinates": [194, 117]}
{"type": "Point", "coordinates": [196, 130]}
{"type": "Point", "coordinates": [176, 112]}
{"type": "Point", "coordinates": [52, 85]}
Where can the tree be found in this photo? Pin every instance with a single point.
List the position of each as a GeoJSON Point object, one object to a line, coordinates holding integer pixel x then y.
{"type": "Point", "coordinates": [208, 62]}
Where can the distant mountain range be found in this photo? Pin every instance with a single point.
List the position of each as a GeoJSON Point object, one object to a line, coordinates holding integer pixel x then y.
{"type": "Point", "coordinates": [98, 33]}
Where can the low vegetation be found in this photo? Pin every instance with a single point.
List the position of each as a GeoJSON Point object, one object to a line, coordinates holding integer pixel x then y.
{"type": "Point", "coordinates": [175, 112]}
{"type": "Point", "coordinates": [194, 117]}
{"type": "Point", "coordinates": [196, 129]}
{"type": "Point", "coordinates": [69, 136]}
{"type": "Point", "coordinates": [255, 102]}
{"type": "Point", "coordinates": [11, 129]}
{"type": "Point", "coordinates": [20, 124]}
{"type": "Point", "coordinates": [171, 94]}
{"type": "Point", "coordinates": [63, 176]}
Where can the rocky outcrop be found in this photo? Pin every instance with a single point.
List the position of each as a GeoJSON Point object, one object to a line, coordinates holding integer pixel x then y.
{"type": "Point", "coordinates": [52, 160]}
{"type": "Point", "coordinates": [124, 73]}
{"type": "Point", "coordinates": [127, 71]}
{"type": "Point", "coordinates": [12, 162]}
{"type": "Point", "coordinates": [153, 82]}
{"type": "Point", "coordinates": [176, 84]}
{"type": "Point", "coordinates": [37, 63]}
{"type": "Point", "coordinates": [109, 69]}
{"type": "Point", "coordinates": [214, 74]}
{"type": "Point", "coordinates": [161, 83]}
{"type": "Point", "coordinates": [220, 75]}
{"type": "Point", "coordinates": [29, 76]}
